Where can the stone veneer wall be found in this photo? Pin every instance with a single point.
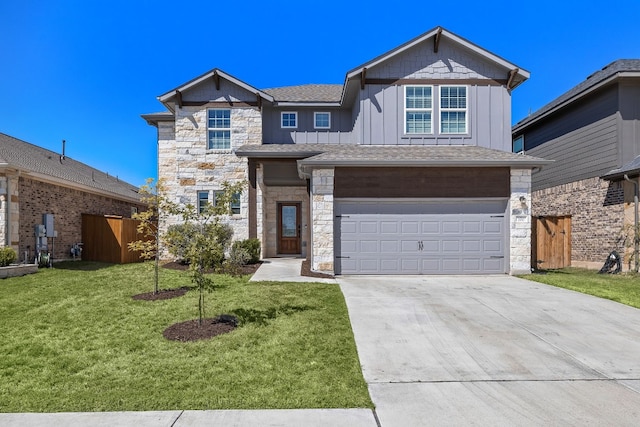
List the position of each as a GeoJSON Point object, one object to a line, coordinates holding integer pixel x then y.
{"type": "Point", "coordinates": [520, 222]}
{"type": "Point", "coordinates": [597, 212]}
{"type": "Point", "coordinates": [186, 165]}
{"type": "Point", "coordinates": [9, 212]}
{"type": "Point", "coordinates": [35, 198]}
{"type": "Point", "coordinates": [322, 255]}
{"type": "Point", "coordinates": [273, 195]}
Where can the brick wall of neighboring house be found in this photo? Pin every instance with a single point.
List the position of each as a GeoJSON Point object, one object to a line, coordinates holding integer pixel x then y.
{"type": "Point", "coordinates": [67, 205]}
{"type": "Point", "coordinates": [597, 210]}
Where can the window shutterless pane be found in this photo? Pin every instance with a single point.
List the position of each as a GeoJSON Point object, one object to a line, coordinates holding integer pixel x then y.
{"type": "Point", "coordinates": [453, 121]}
{"type": "Point", "coordinates": [203, 200]}
{"type": "Point", "coordinates": [219, 139]}
{"type": "Point", "coordinates": [235, 204]}
{"type": "Point", "coordinates": [418, 122]}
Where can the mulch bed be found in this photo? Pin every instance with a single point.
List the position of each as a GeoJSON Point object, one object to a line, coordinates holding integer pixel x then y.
{"type": "Point", "coordinates": [191, 330]}
{"type": "Point", "coordinates": [306, 271]}
{"type": "Point", "coordinates": [162, 294]}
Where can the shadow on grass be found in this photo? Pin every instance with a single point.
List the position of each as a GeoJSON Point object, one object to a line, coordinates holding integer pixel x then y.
{"type": "Point", "coordinates": [81, 265]}
{"type": "Point", "coordinates": [263, 317]}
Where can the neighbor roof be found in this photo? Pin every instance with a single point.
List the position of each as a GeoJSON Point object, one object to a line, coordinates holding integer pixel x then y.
{"type": "Point", "coordinates": [608, 73]}
{"type": "Point", "coordinates": [44, 164]}
{"type": "Point", "coordinates": [631, 169]}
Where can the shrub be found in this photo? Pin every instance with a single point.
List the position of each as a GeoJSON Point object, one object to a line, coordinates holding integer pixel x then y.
{"type": "Point", "coordinates": [217, 237]}
{"type": "Point", "coordinates": [7, 256]}
{"type": "Point", "coordinates": [252, 248]}
{"type": "Point", "coordinates": [239, 255]}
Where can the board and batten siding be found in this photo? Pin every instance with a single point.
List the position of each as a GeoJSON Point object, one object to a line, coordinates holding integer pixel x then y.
{"type": "Point", "coordinates": [381, 118]}
{"type": "Point", "coordinates": [305, 133]}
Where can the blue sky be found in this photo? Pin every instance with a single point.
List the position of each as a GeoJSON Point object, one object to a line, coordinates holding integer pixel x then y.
{"type": "Point", "coordinates": [85, 70]}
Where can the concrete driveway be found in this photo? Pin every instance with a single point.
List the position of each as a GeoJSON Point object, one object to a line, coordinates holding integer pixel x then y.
{"type": "Point", "coordinates": [494, 350]}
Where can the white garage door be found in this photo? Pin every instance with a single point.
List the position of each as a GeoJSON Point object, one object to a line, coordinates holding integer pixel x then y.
{"type": "Point", "coordinates": [462, 237]}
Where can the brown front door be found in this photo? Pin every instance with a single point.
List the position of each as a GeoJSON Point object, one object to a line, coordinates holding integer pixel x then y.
{"type": "Point", "coordinates": [288, 228]}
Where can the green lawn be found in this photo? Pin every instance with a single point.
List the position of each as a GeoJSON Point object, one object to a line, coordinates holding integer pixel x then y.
{"type": "Point", "coordinates": [72, 339]}
{"type": "Point", "coordinates": [623, 288]}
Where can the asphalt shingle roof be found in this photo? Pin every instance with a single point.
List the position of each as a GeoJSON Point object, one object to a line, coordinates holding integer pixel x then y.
{"type": "Point", "coordinates": [632, 168]}
{"type": "Point", "coordinates": [621, 65]}
{"type": "Point", "coordinates": [415, 155]}
{"type": "Point", "coordinates": [15, 153]}
{"type": "Point", "coordinates": [307, 93]}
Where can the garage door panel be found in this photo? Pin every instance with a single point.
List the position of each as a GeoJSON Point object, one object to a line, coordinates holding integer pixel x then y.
{"type": "Point", "coordinates": [403, 240]}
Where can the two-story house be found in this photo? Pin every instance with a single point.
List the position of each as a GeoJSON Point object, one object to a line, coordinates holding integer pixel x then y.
{"type": "Point", "coordinates": [405, 168]}
{"type": "Point", "coordinates": [592, 133]}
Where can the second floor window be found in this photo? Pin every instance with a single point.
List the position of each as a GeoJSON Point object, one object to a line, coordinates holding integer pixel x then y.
{"type": "Point", "coordinates": [453, 109]}
{"type": "Point", "coordinates": [321, 120]}
{"type": "Point", "coordinates": [289, 119]}
{"type": "Point", "coordinates": [418, 109]}
{"type": "Point", "coordinates": [219, 129]}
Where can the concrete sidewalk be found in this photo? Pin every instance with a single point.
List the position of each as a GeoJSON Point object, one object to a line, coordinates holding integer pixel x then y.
{"type": "Point", "coordinates": [284, 270]}
{"type": "Point", "coordinates": [232, 418]}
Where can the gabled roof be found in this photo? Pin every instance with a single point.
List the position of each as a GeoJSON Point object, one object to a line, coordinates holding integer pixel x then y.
{"type": "Point", "coordinates": [46, 165]}
{"type": "Point", "coordinates": [619, 68]}
{"type": "Point", "coordinates": [519, 74]}
{"type": "Point", "coordinates": [216, 73]}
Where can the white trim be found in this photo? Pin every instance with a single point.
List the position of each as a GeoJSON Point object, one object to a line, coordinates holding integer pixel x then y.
{"type": "Point", "coordinates": [464, 110]}
{"type": "Point", "coordinates": [405, 110]}
{"type": "Point", "coordinates": [282, 113]}
{"type": "Point", "coordinates": [315, 120]}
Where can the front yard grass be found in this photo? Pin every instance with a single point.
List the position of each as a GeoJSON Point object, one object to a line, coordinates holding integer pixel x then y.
{"type": "Point", "coordinates": [74, 340]}
{"type": "Point", "coordinates": [623, 288]}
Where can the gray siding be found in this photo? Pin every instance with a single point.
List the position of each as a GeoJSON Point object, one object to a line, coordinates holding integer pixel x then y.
{"type": "Point", "coordinates": [206, 91]}
{"type": "Point", "coordinates": [629, 93]}
{"type": "Point", "coordinates": [589, 151]}
{"type": "Point", "coordinates": [305, 133]}
{"type": "Point", "coordinates": [381, 118]}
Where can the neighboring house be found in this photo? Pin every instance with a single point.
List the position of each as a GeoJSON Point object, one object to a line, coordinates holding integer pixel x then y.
{"type": "Point", "coordinates": [35, 181]}
{"type": "Point", "coordinates": [590, 132]}
{"type": "Point", "coordinates": [406, 168]}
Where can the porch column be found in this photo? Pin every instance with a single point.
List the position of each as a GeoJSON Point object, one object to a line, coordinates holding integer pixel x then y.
{"type": "Point", "coordinates": [260, 219]}
{"type": "Point", "coordinates": [520, 222]}
{"type": "Point", "coordinates": [4, 210]}
{"type": "Point", "coordinates": [253, 228]}
{"type": "Point", "coordinates": [322, 220]}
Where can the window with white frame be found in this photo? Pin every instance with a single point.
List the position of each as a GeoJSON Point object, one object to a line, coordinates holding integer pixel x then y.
{"type": "Point", "coordinates": [418, 109]}
{"type": "Point", "coordinates": [518, 144]}
{"type": "Point", "coordinates": [235, 201]}
{"type": "Point", "coordinates": [289, 119]}
{"type": "Point", "coordinates": [203, 200]}
{"type": "Point", "coordinates": [322, 120]}
{"type": "Point", "coordinates": [453, 109]}
{"type": "Point", "coordinates": [219, 129]}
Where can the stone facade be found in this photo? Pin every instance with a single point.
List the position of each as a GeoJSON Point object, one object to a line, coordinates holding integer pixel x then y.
{"type": "Point", "coordinates": [32, 198]}
{"type": "Point", "coordinates": [322, 183]}
{"type": "Point", "coordinates": [597, 210]}
{"type": "Point", "coordinates": [9, 212]}
{"type": "Point", "coordinates": [520, 222]}
{"type": "Point", "coordinates": [187, 166]}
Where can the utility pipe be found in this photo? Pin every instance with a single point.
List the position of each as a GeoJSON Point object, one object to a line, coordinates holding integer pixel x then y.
{"type": "Point", "coordinates": [636, 241]}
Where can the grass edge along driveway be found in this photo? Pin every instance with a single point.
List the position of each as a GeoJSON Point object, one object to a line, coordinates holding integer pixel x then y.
{"type": "Point", "coordinates": [623, 288]}
{"type": "Point", "coordinates": [74, 340]}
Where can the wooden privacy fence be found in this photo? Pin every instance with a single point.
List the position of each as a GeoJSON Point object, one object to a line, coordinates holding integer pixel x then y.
{"type": "Point", "coordinates": [550, 242]}
{"type": "Point", "coordinates": [106, 238]}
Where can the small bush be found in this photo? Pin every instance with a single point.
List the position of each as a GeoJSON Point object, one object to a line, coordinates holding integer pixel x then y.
{"type": "Point", "coordinates": [179, 237]}
{"type": "Point", "coordinates": [7, 256]}
{"type": "Point", "coordinates": [239, 255]}
{"type": "Point", "coordinates": [252, 248]}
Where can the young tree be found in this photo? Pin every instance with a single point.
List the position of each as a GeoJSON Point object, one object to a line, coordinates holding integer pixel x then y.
{"type": "Point", "coordinates": [154, 196]}
{"type": "Point", "coordinates": [207, 237]}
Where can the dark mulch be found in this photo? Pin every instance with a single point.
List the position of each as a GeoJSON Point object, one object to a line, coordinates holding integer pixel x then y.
{"type": "Point", "coordinates": [162, 294]}
{"type": "Point", "coordinates": [306, 271]}
{"type": "Point", "coordinates": [191, 330]}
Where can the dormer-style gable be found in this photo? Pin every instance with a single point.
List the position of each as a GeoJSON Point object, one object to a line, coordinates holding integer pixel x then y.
{"type": "Point", "coordinates": [213, 86]}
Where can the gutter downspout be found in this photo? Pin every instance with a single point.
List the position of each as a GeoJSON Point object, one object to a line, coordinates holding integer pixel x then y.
{"type": "Point", "coordinates": [636, 240]}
